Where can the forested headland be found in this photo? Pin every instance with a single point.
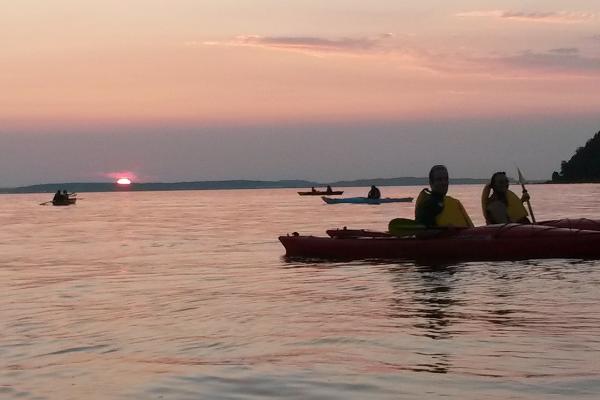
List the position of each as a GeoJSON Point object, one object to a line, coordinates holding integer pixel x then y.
{"type": "Point", "coordinates": [584, 165]}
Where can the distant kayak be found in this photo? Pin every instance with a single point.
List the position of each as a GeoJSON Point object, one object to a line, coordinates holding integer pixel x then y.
{"type": "Point", "coordinates": [67, 202]}
{"type": "Point", "coordinates": [366, 200]}
{"type": "Point", "coordinates": [321, 193]}
{"type": "Point", "coordinates": [492, 242]}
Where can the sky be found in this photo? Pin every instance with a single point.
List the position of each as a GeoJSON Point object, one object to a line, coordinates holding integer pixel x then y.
{"type": "Point", "coordinates": [269, 89]}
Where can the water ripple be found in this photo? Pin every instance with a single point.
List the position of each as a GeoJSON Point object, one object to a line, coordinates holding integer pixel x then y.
{"type": "Point", "coordinates": [156, 295]}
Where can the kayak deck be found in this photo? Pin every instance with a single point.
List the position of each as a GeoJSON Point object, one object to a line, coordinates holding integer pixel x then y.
{"type": "Point", "coordinates": [577, 223]}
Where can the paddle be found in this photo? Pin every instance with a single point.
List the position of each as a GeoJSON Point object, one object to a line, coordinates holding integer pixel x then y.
{"type": "Point", "coordinates": [46, 202]}
{"type": "Point", "coordinates": [522, 182]}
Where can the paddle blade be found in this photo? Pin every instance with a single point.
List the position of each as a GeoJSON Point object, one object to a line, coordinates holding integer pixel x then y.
{"type": "Point", "coordinates": [405, 227]}
{"type": "Point", "coordinates": [522, 180]}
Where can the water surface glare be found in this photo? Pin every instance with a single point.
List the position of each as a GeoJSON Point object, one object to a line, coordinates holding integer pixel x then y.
{"type": "Point", "coordinates": [188, 295]}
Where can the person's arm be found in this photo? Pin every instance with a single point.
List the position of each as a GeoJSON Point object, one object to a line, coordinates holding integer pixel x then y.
{"type": "Point", "coordinates": [426, 212]}
{"type": "Point", "coordinates": [485, 197]}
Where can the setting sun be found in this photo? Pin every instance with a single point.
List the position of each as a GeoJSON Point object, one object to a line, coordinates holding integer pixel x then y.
{"type": "Point", "coordinates": [124, 181]}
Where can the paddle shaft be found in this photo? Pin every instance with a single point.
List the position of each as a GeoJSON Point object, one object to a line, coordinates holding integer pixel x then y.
{"type": "Point", "coordinates": [528, 203]}
{"type": "Point", "coordinates": [522, 182]}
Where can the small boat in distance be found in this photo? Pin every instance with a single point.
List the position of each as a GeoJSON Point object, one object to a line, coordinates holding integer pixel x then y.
{"type": "Point", "coordinates": [314, 192]}
{"type": "Point", "coordinates": [67, 202]}
{"type": "Point", "coordinates": [366, 200]}
{"type": "Point", "coordinates": [321, 193]}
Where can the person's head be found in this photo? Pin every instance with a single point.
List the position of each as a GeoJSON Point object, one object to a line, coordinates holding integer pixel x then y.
{"type": "Point", "coordinates": [58, 192]}
{"type": "Point", "coordinates": [438, 179]}
{"type": "Point", "coordinates": [373, 187]}
{"type": "Point", "coordinates": [64, 192]}
{"type": "Point", "coordinates": [499, 182]}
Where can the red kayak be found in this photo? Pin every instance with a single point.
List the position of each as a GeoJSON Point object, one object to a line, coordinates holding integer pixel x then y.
{"type": "Point", "coordinates": [493, 242]}
{"type": "Point", "coordinates": [579, 223]}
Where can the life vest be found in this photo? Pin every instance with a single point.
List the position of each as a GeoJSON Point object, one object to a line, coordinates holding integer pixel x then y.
{"type": "Point", "coordinates": [453, 213]}
{"type": "Point", "coordinates": [515, 210]}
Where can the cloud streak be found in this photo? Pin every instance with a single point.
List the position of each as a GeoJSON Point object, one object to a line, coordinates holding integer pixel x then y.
{"type": "Point", "coordinates": [559, 17]}
{"type": "Point", "coordinates": [307, 44]}
{"type": "Point", "coordinates": [564, 61]}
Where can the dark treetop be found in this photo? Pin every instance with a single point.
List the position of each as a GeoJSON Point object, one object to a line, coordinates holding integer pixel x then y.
{"type": "Point", "coordinates": [584, 166]}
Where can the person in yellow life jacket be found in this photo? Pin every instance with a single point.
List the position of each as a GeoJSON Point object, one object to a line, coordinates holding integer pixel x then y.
{"type": "Point", "coordinates": [503, 206]}
{"type": "Point", "coordinates": [434, 208]}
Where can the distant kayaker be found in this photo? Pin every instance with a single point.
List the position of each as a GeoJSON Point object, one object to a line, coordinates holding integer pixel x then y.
{"type": "Point", "coordinates": [58, 197]}
{"type": "Point", "coordinates": [312, 189]}
{"type": "Point", "coordinates": [329, 189]}
{"type": "Point", "coordinates": [434, 208]}
{"type": "Point", "coordinates": [503, 205]}
{"type": "Point", "coordinates": [374, 193]}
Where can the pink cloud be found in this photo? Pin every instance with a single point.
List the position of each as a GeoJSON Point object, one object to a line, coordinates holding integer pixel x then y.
{"type": "Point", "coordinates": [555, 60]}
{"type": "Point", "coordinates": [547, 17]}
{"type": "Point", "coordinates": [564, 62]}
{"type": "Point", "coordinates": [567, 61]}
{"type": "Point", "coordinates": [307, 44]}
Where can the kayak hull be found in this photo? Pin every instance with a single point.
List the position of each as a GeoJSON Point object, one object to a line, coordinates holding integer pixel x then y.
{"type": "Point", "coordinates": [493, 242]}
{"type": "Point", "coordinates": [321, 193]}
{"type": "Point", "coordinates": [366, 200]}
{"type": "Point", "coordinates": [67, 202]}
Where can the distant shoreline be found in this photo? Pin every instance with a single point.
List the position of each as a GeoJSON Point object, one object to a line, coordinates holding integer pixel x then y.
{"type": "Point", "coordinates": [83, 187]}
{"type": "Point", "coordinates": [571, 182]}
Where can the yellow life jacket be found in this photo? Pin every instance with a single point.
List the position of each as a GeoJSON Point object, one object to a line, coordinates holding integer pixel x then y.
{"type": "Point", "coordinates": [453, 214]}
{"type": "Point", "coordinates": [515, 209]}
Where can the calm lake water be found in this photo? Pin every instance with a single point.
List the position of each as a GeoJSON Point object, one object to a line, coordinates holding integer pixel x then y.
{"type": "Point", "coordinates": [187, 295]}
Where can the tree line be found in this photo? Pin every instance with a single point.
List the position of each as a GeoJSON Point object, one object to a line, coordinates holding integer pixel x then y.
{"type": "Point", "coordinates": [584, 166]}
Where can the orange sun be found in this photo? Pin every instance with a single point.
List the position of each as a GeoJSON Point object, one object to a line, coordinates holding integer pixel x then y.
{"type": "Point", "coordinates": [124, 181]}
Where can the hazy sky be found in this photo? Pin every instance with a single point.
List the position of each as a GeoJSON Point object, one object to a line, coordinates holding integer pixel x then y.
{"type": "Point", "coordinates": [225, 89]}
